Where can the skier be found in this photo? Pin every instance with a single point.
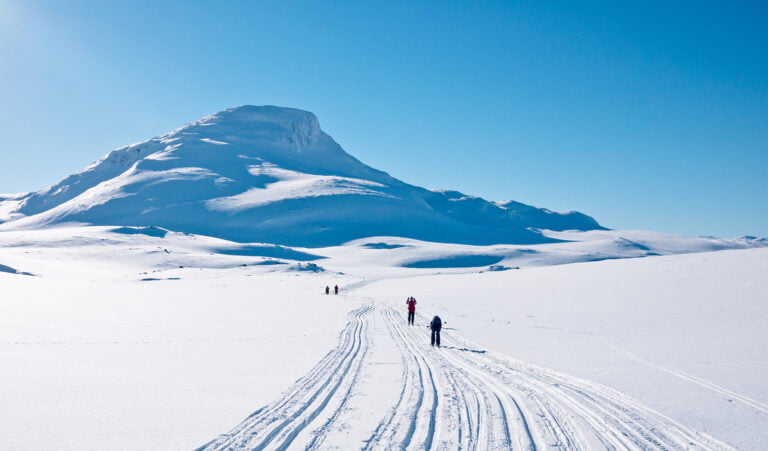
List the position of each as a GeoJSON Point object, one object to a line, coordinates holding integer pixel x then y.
{"type": "Point", "coordinates": [411, 309]}
{"type": "Point", "coordinates": [327, 289]}
{"type": "Point", "coordinates": [336, 289]}
{"type": "Point", "coordinates": [436, 325]}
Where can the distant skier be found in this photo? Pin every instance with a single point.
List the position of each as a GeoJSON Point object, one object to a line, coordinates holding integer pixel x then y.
{"type": "Point", "coordinates": [436, 324]}
{"type": "Point", "coordinates": [411, 309]}
{"type": "Point", "coordinates": [327, 289]}
{"type": "Point", "coordinates": [336, 289]}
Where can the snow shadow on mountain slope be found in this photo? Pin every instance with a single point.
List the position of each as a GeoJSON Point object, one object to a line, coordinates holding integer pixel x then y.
{"type": "Point", "coordinates": [271, 251]}
{"type": "Point", "coordinates": [8, 269]}
{"type": "Point", "coordinates": [149, 231]}
{"type": "Point", "coordinates": [456, 261]}
{"type": "Point", "coordinates": [383, 246]}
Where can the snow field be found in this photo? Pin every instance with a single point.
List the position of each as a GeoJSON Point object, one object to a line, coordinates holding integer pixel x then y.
{"type": "Point", "coordinates": [453, 397]}
{"type": "Point", "coordinates": [166, 364]}
{"type": "Point", "coordinates": [159, 340]}
{"type": "Point", "coordinates": [684, 335]}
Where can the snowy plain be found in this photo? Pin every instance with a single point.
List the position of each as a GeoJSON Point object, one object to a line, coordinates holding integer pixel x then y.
{"type": "Point", "coordinates": [139, 338]}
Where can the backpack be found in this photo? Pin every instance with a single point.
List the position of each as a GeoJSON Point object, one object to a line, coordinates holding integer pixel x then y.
{"type": "Point", "coordinates": [437, 323]}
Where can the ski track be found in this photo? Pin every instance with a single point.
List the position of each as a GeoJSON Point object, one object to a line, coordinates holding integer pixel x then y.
{"type": "Point", "coordinates": [728, 394]}
{"type": "Point", "coordinates": [277, 425]}
{"type": "Point", "coordinates": [454, 397]}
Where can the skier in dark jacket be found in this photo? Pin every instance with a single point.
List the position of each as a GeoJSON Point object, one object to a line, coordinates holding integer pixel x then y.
{"type": "Point", "coordinates": [327, 290]}
{"type": "Point", "coordinates": [411, 309]}
{"type": "Point", "coordinates": [436, 324]}
{"type": "Point", "coordinates": [336, 289]}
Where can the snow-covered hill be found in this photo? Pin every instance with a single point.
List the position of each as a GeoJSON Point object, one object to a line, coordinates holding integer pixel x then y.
{"type": "Point", "coordinates": [270, 174]}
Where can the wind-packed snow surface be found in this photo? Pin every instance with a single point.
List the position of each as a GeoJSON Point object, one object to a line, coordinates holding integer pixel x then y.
{"type": "Point", "coordinates": [270, 174]}
{"type": "Point", "coordinates": [144, 338]}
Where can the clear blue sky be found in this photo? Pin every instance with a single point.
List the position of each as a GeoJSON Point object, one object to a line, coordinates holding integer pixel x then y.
{"type": "Point", "coordinates": [648, 115]}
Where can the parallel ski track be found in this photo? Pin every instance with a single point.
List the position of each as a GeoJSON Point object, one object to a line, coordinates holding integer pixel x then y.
{"type": "Point", "coordinates": [277, 425]}
{"type": "Point", "coordinates": [504, 403]}
{"type": "Point", "coordinates": [567, 409]}
{"type": "Point", "coordinates": [755, 404]}
{"type": "Point", "coordinates": [477, 415]}
{"type": "Point", "coordinates": [457, 397]}
{"type": "Point", "coordinates": [412, 410]}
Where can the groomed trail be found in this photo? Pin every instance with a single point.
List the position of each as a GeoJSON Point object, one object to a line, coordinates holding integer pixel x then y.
{"type": "Point", "coordinates": [385, 387]}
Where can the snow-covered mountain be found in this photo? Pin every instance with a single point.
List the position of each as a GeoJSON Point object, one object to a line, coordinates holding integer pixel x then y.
{"type": "Point", "coordinates": [270, 174]}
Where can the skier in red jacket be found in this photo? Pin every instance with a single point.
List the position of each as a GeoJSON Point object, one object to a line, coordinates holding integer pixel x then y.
{"type": "Point", "coordinates": [411, 309]}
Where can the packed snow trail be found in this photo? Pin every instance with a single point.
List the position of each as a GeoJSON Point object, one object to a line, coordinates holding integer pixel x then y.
{"type": "Point", "coordinates": [314, 399]}
{"type": "Point", "coordinates": [455, 397]}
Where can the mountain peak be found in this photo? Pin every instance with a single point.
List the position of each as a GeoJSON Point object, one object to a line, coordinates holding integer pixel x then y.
{"type": "Point", "coordinates": [298, 128]}
{"type": "Point", "coordinates": [270, 174]}
{"type": "Point", "coordinates": [268, 114]}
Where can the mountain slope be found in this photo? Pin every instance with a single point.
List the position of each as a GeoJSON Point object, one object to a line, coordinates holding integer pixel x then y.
{"type": "Point", "coordinates": [270, 174]}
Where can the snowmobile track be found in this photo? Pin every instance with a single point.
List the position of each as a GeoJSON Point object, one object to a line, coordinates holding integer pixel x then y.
{"type": "Point", "coordinates": [455, 397]}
